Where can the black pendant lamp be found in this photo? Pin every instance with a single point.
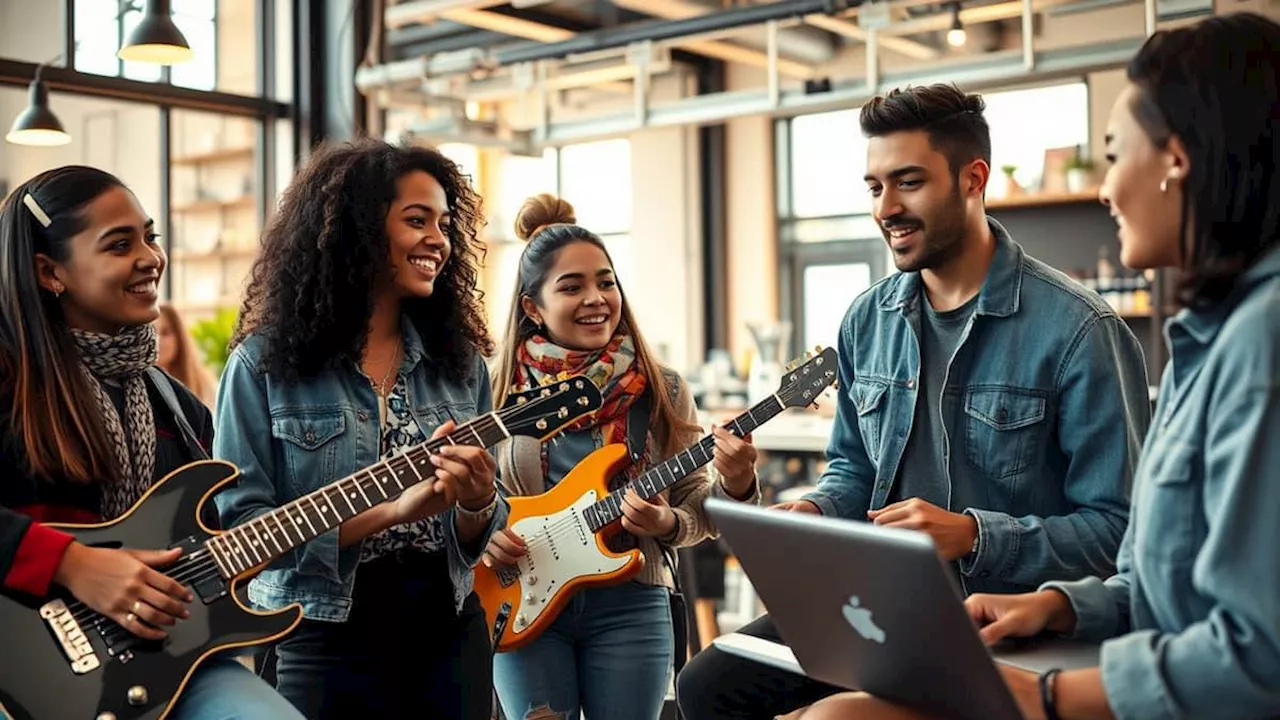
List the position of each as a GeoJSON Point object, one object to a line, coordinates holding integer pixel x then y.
{"type": "Point", "coordinates": [36, 124]}
{"type": "Point", "coordinates": [156, 39]}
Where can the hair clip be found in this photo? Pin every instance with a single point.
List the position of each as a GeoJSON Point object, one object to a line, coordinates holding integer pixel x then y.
{"type": "Point", "coordinates": [41, 216]}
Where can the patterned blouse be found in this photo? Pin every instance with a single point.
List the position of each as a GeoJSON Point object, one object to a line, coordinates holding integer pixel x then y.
{"type": "Point", "coordinates": [400, 432]}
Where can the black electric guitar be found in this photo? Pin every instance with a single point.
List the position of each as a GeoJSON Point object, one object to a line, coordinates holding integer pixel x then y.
{"type": "Point", "coordinates": [63, 661]}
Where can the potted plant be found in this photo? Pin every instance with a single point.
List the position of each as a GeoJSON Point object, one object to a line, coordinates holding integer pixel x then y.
{"type": "Point", "coordinates": [1079, 173]}
{"type": "Point", "coordinates": [213, 337]}
{"type": "Point", "coordinates": [1011, 186]}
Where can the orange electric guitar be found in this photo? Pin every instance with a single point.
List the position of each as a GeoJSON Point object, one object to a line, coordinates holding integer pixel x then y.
{"type": "Point", "coordinates": [565, 528]}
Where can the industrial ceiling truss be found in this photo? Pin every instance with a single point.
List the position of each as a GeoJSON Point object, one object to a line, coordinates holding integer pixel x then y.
{"type": "Point", "coordinates": [461, 66]}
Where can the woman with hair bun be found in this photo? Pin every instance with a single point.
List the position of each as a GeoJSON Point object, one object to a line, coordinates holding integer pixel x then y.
{"type": "Point", "coordinates": [609, 653]}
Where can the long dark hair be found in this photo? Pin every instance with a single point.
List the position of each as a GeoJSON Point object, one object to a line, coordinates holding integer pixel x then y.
{"type": "Point", "coordinates": [1214, 86]}
{"type": "Point", "coordinates": [548, 224]}
{"type": "Point", "coordinates": [52, 407]}
{"type": "Point", "coordinates": [311, 289]}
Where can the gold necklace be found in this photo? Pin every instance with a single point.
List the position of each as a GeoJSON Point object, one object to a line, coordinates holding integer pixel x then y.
{"type": "Point", "coordinates": [381, 388]}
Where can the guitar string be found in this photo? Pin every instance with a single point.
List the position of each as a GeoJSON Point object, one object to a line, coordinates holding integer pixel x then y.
{"type": "Point", "coordinates": [564, 526]}
{"type": "Point", "coordinates": [196, 570]}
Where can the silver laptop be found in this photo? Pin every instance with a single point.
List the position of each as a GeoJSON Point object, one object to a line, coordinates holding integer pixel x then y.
{"type": "Point", "coordinates": [874, 609]}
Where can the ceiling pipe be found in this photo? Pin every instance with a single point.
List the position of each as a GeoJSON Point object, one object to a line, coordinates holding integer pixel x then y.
{"type": "Point", "coordinates": [667, 30]}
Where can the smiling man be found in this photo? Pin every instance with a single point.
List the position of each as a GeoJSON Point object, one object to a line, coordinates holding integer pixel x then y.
{"type": "Point", "coordinates": [986, 399]}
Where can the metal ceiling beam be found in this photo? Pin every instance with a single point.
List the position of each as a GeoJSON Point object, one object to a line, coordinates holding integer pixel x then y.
{"type": "Point", "coordinates": [851, 30]}
{"type": "Point", "coordinates": [668, 30]}
{"type": "Point", "coordinates": [993, 70]}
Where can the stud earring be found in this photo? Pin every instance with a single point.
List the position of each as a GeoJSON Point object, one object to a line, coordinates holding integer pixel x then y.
{"type": "Point", "coordinates": [1164, 185]}
{"type": "Point", "coordinates": [58, 289]}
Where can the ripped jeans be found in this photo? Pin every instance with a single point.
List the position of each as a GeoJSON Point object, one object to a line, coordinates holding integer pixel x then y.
{"type": "Point", "coordinates": [608, 655]}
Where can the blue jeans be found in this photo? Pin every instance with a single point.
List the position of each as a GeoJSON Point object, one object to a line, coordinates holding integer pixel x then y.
{"type": "Point", "coordinates": [609, 655]}
{"type": "Point", "coordinates": [223, 689]}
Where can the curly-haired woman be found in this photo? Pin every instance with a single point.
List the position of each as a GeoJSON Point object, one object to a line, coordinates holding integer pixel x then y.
{"type": "Point", "coordinates": [360, 335]}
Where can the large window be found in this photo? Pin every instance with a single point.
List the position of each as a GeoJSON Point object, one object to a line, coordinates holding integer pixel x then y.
{"type": "Point", "coordinates": [831, 248]}
{"type": "Point", "coordinates": [221, 32]}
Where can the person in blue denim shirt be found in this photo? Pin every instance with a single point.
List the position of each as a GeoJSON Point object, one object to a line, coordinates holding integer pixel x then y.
{"type": "Point", "coordinates": [361, 335]}
{"type": "Point", "coordinates": [1190, 623]}
{"type": "Point", "coordinates": [985, 399]}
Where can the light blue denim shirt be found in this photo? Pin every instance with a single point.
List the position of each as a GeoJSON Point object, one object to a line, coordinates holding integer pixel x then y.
{"type": "Point", "coordinates": [1194, 611]}
{"type": "Point", "coordinates": [1054, 403]}
{"type": "Point", "coordinates": [291, 439]}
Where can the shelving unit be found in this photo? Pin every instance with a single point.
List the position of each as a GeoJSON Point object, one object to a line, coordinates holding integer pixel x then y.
{"type": "Point", "coordinates": [215, 211]}
{"type": "Point", "coordinates": [1039, 199]}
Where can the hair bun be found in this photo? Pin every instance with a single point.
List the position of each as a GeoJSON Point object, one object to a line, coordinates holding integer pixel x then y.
{"type": "Point", "coordinates": [540, 211]}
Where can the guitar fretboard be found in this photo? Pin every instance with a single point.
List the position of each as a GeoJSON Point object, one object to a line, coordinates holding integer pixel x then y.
{"type": "Point", "coordinates": [663, 476]}
{"type": "Point", "coordinates": [269, 536]}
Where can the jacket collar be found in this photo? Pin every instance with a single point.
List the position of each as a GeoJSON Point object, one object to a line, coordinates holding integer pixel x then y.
{"type": "Point", "coordinates": [1000, 291]}
{"type": "Point", "coordinates": [1203, 325]}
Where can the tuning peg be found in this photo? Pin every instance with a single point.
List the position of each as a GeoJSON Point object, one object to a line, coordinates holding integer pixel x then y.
{"type": "Point", "coordinates": [808, 356]}
{"type": "Point", "coordinates": [817, 349]}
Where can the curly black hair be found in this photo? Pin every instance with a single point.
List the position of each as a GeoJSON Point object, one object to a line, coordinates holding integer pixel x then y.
{"type": "Point", "coordinates": [311, 288]}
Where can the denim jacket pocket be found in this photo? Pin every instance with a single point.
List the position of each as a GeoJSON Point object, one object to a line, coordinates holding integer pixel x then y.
{"type": "Point", "coordinates": [1170, 500]}
{"type": "Point", "coordinates": [309, 440]}
{"type": "Point", "coordinates": [1003, 429]}
{"type": "Point", "coordinates": [869, 399]}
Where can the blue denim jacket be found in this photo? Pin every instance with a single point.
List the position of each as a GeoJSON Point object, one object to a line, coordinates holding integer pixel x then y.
{"type": "Point", "coordinates": [1195, 607]}
{"type": "Point", "coordinates": [291, 439]}
{"type": "Point", "coordinates": [1054, 396]}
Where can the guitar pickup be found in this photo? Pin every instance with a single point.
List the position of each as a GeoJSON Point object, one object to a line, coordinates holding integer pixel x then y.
{"type": "Point", "coordinates": [75, 644]}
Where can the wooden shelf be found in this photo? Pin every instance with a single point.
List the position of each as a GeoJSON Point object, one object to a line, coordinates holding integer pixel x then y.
{"type": "Point", "coordinates": [212, 156]}
{"type": "Point", "coordinates": [1033, 200]}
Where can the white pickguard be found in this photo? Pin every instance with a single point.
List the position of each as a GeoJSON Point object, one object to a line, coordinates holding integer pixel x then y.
{"type": "Point", "coordinates": [561, 548]}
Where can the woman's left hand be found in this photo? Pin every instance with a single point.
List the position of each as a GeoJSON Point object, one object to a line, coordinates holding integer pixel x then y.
{"type": "Point", "coordinates": [650, 518]}
{"type": "Point", "coordinates": [735, 460]}
{"type": "Point", "coordinates": [471, 470]}
{"type": "Point", "coordinates": [1025, 688]}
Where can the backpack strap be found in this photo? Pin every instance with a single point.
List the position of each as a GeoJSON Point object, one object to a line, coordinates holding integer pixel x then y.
{"type": "Point", "coordinates": [164, 385]}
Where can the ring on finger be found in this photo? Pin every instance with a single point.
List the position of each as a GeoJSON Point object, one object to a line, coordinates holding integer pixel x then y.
{"type": "Point", "coordinates": [130, 618]}
{"type": "Point", "coordinates": [137, 605]}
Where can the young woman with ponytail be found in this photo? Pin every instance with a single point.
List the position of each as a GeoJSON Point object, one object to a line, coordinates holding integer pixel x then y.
{"type": "Point", "coordinates": [609, 654]}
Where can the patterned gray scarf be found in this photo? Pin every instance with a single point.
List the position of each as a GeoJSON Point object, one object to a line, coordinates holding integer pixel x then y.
{"type": "Point", "coordinates": [124, 358]}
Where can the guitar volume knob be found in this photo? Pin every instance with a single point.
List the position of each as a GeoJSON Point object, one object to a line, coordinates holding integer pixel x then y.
{"type": "Point", "coordinates": [533, 579]}
{"type": "Point", "coordinates": [137, 695]}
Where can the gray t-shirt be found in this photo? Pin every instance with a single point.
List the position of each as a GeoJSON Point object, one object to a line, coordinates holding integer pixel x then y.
{"type": "Point", "coordinates": [923, 472]}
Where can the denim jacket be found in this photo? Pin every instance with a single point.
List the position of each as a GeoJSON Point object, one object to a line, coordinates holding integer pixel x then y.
{"type": "Point", "coordinates": [1054, 405]}
{"type": "Point", "coordinates": [290, 439]}
{"type": "Point", "coordinates": [1195, 607]}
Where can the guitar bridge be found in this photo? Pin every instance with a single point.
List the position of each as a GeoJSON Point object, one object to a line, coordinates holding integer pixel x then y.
{"type": "Point", "coordinates": [75, 644]}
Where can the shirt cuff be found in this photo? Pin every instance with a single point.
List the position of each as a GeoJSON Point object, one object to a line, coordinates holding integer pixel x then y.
{"type": "Point", "coordinates": [720, 491]}
{"type": "Point", "coordinates": [825, 505]}
{"type": "Point", "coordinates": [1097, 617]}
{"type": "Point", "coordinates": [1130, 667]}
{"type": "Point", "coordinates": [997, 544]}
{"type": "Point", "coordinates": [37, 559]}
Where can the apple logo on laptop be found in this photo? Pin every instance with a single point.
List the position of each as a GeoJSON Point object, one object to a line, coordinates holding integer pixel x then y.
{"type": "Point", "coordinates": [859, 619]}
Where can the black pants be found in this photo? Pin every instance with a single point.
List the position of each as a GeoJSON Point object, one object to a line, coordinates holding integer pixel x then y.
{"type": "Point", "coordinates": [403, 653]}
{"type": "Point", "coordinates": [716, 685]}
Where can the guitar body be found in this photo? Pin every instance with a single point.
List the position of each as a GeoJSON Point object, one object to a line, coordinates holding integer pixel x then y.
{"type": "Point", "coordinates": [37, 681]}
{"type": "Point", "coordinates": [564, 555]}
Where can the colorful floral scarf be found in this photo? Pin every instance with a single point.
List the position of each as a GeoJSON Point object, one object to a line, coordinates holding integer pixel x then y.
{"type": "Point", "coordinates": [612, 368]}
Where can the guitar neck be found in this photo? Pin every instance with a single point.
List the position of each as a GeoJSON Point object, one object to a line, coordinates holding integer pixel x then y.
{"type": "Point", "coordinates": [270, 536]}
{"type": "Point", "coordinates": [668, 473]}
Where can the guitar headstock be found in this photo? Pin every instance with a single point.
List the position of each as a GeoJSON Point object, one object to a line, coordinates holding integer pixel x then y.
{"type": "Point", "coordinates": [802, 384]}
{"type": "Point", "coordinates": [544, 411]}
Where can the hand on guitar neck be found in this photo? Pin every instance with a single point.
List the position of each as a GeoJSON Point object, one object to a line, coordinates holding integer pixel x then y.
{"type": "Point", "coordinates": [123, 585]}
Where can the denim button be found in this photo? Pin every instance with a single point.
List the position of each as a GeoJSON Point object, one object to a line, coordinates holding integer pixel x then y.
{"type": "Point", "coordinates": [1002, 415]}
{"type": "Point", "coordinates": [310, 435]}
{"type": "Point", "coordinates": [363, 415]}
{"type": "Point", "coordinates": [911, 384]}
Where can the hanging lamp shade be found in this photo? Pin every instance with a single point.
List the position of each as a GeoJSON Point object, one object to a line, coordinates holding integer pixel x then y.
{"type": "Point", "coordinates": [156, 39]}
{"type": "Point", "coordinates": [36, 124]}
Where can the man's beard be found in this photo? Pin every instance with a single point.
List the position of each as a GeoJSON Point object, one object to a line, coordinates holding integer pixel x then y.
{"type": "Point", "coordinates": [942, 238]}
